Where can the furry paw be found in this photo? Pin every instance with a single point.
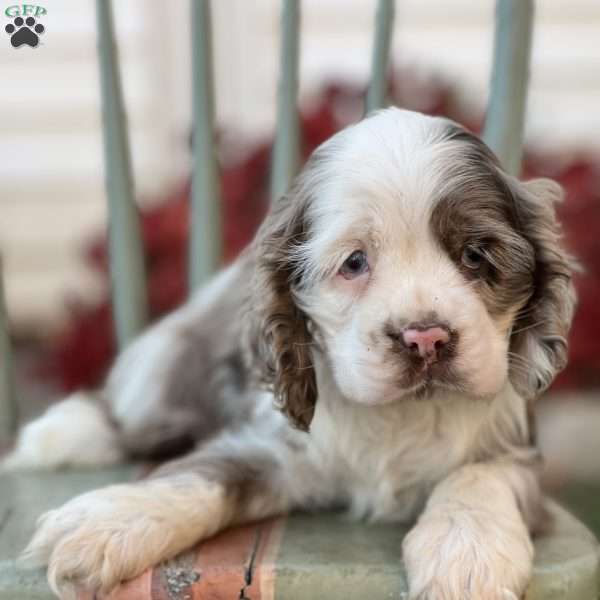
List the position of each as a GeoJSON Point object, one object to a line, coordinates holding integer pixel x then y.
{"type": "Point", "coordinates": [456, 554]}
{"type": "Point", "coordinates": [110, 535]}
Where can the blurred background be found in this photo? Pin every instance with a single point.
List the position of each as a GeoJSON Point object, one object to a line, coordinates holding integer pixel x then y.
{"type": "Point", "coordinates": [52, 196]}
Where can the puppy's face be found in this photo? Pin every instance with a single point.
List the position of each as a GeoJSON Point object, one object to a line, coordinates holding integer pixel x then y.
{"type": "Point", "coordinates": [413, 261]}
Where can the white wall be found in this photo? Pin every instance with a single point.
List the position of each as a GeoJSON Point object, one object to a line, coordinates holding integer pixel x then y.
{"type": "Point", "coordinates": [51, 188]}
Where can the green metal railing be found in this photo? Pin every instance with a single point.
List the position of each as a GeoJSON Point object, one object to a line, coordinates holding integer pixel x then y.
{"type": "Point", "coordinates": [8, 401]}
{"type": "Point", "coordinates": [503, 132]}
{"type": "Point", "coordinates": [285, 159]}
{"type": "Point", "coordinates": [125, 244]}
{"type": "Point", "coordinates": [380, 55]}
{"type": "Point", "coordinates": [205, 247]}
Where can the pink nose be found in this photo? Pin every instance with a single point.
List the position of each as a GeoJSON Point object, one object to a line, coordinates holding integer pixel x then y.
{"type": "Point", "coordinates": [427, 342]}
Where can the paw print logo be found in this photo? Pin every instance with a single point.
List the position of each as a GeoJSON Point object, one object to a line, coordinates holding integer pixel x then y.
{"type": "Point", "coordinates": [24, 31]}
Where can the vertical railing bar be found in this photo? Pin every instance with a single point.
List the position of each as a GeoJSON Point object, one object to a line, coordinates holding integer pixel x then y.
{"type": "Point", "coordinates": [284, 164]}
{"type": "Point", "coordinates": [125, 244]}
{"type": "Point", "coordinates": [380, 56]}
{"type": "Point", "coordinates": [205, 223]}
{"type": "Point", "coordinates": [505, 118]}
{"type": "Point", "coordinates": [8, 401]}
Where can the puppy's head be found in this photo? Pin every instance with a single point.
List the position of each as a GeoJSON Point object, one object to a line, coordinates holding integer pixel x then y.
{"type": "Point", "coordinates": [412, 263]}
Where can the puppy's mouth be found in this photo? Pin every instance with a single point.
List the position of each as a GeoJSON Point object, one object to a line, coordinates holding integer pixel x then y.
{"type": "Point", "coordinates": [425, 377]}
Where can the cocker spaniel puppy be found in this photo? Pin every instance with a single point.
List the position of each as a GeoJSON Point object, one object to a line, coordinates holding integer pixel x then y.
{"type": "Point", "coordinates": [377, 346]}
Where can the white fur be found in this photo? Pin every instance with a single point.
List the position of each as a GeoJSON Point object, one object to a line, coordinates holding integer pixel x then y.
{"type": "Point", "coordinates": [74, 432]}
{"type": "Point", "coordinates": [375, 450]}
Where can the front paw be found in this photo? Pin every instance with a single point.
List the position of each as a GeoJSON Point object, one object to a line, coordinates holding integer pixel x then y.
{"type": "Point", "coordinates": [467, 555]}
{"type": "Point", "coordinates": [103, 537]}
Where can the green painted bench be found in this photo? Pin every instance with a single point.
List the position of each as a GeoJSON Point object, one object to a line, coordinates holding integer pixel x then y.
{"type": "Point", "coordinates": [296, 558]}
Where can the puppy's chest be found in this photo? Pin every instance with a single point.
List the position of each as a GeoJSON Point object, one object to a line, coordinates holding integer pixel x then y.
{"type": "Point", "coordinates": [387, 461]}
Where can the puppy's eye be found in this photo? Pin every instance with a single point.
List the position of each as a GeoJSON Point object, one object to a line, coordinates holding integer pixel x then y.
{"type": "Point", "coordinates": [473, 258]}
{"type": "Point", "coordinates": [356, 264]}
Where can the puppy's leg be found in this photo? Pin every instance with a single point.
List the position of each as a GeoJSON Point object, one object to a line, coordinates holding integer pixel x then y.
{"type": "Point", "coordinates": [81, 429]}
{"type": "Point", "coordinates": [179, 382]}
{"type": "Point", "coordinates": [472, 541]}
{"type": "Point", "coordinates": [112, 534]}
{"type": "Point", "coordinates": [73, 432]}
{"type": "Point", "coordinates": [106, 536]}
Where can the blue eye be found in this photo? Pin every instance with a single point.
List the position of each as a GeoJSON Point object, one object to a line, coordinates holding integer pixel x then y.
{"type": "Point", "coordinates": [356, 264]}
{"type": "Point", "coordinates": [472, 258]}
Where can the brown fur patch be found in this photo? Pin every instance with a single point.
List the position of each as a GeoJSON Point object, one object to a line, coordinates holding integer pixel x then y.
{"type": "Point", "coordinates": [250, 475]}
{"type": "Point", "coordinates": [527, 270]}
{"type": "Point", "coordinates": [541, 328]}
{"type": "Point", "coordinates": [278, 331]}
{"type": "Point", "coordinates": [480, 211]}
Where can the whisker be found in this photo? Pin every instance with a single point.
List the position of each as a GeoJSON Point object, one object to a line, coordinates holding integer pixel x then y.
{"type": "Point", "coordinates": [519, 361]}
{"type": "Point", "coordinates": [516, 356]}
{"type": "Point", "coordinates": [527, 310]}
{"type": "Point", "coordinates": [522, 365]}
{"type": "Point", "coordinates": [532, 326]}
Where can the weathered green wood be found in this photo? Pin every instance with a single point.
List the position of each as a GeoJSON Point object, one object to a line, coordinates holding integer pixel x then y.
{"type": "Point", "coordinates": [566, 562]}
{"type": "Point", "coordinates": [8, 402]}
{"type": "Point", "coordinates": [504, 123]}
{"type": "Point", "coordinates": [329, 557]}
{"type": "Point", "coordinates": [126, 253]}
{"type": "Point", "coordinates": [335, 558]}
{"type": "Point", "coordinates": [205, 233]}
{"type": "Point", "coordinates": [23, 498]}
{"type": "Point", "coordinates": [320, 556]}
{"type": "Point", "coordinates": [284, 164]}
{"type": "Point", "coordinates": [380, 55]}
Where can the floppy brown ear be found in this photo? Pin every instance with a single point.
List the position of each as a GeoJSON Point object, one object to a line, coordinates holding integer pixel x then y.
{"type": "Point", "coordinates": [278, 331]}
{"type": "Point", "coordinates": [542, 327]}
